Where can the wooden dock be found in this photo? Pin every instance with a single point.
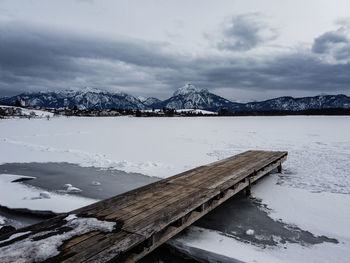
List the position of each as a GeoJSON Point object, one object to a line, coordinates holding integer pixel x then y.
{"type": "Point", "coordinates": [148, 216]}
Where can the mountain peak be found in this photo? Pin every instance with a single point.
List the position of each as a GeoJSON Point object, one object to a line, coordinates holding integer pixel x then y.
{"type": "Point", "coordinates": [90, 90]}
{"type": "Point", "coordinates": [142, 98]}
{"type": "Point", "coordinates": [189, 88]}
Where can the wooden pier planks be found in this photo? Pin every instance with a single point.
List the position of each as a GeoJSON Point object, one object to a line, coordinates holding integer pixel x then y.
{"type": "Point", "coordinates": [148, 216]}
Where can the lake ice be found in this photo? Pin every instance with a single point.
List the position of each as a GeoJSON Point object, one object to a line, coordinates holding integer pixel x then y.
{"type": "Point", "coordinates": [312, 193]}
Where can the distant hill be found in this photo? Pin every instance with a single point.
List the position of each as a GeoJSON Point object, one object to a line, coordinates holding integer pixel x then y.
{"type": "Point", "coordinates": [297, 104]}
{"type": "Point", "coordinates": [83, 99]}
{"type": "Point", "coordinates": [187, 97]}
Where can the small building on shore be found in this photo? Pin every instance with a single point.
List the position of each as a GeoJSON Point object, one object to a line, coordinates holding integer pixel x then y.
{"type": "Point", "coordinates": [23, 102]}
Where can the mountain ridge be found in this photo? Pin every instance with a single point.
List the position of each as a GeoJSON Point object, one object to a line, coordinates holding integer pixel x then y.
{"type": "Point", "coordinates": [186, 97]}
{"type": "Point", "coordinates": [82, 99]}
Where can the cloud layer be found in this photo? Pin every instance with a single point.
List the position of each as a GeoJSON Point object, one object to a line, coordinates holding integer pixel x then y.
{"type": "Point", "coordinates": [34, 58]}
{"type": "Point", "coordinates": [335, 45]}
{"type": "Point", "coordinates": [247, 31]}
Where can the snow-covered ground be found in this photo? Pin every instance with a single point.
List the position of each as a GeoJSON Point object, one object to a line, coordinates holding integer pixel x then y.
{"type": "Point", "coordinates": [30, 112]}
{"type": "Point", "coordinates": [190, 111]}
{"type": "Point", "coordinates": [37, 113]}
{"type": "Point", "coordinates": [197, 111]}
{"type": "Point", "coordinates": [313, 192]}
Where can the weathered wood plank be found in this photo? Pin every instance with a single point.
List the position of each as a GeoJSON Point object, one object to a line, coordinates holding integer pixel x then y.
{"type": "Point", "coordinates": [117, 243]}
{"type": "Point", "coordinates": [240, 173]}
{"type": "Point", "coordinates": [150, 206]}
{"type": "Point", "coordinates": [214, 172]}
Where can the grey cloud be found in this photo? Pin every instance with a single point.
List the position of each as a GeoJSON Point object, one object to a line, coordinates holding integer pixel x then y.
{"type": "Point", "coordinates": [45, 47]}
{"type": "Point", "coordinates": [36, 59]}
{"type": "Point", "coordinates": [334, 44]}
{"type": "Point", "coordinates": [245, 32]}
{"type": "Point", "coordinates": [343, 53]}
{"type": "Point", "coordinates": [288, 72]}
{"type": "Point", "coordinates": [324, 43]}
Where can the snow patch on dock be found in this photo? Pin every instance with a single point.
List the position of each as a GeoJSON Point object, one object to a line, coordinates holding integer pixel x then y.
{"type": "Point", "coordinates": [34, 249]}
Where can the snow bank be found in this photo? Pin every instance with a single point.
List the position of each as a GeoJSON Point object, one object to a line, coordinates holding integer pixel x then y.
{"type": "Point", "coordinates": [250, 232]}
{"type": "Point", "coordinates": [31, 112]}
{"type": "Point", "coordinates": [14, 236]}
{"type": "Point", "coordinates": [20, 196]}
{"type": "Point", "coordinates": [72, 189]}
{"type": "Point", "coordinates": [29, 250]}
{"type": "Point", "coordinates": [37, 113]}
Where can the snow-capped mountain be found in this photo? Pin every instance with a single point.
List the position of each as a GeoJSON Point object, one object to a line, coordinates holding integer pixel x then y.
{"type": "Point", "coordinates": [189, 89]}
{"type": "Point", "coordinates": [187, 97]}
{"type": "Point", "coordinates": [84, 99]}
{"type": "Point", "coordinates": [191, 97]}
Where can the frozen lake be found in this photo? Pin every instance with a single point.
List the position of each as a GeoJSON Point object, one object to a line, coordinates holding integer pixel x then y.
{"type": "Point", "coordinates": [300, 215]}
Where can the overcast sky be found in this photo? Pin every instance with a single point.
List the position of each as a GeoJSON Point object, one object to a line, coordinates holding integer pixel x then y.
{"type": "Point", "coordinates": [242, 50]}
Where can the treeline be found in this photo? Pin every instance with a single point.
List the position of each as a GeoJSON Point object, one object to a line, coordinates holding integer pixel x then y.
{"type": "Point", "coordinates": [166, 112]}
{"type": "Point", "coordinates": [329, 111]}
